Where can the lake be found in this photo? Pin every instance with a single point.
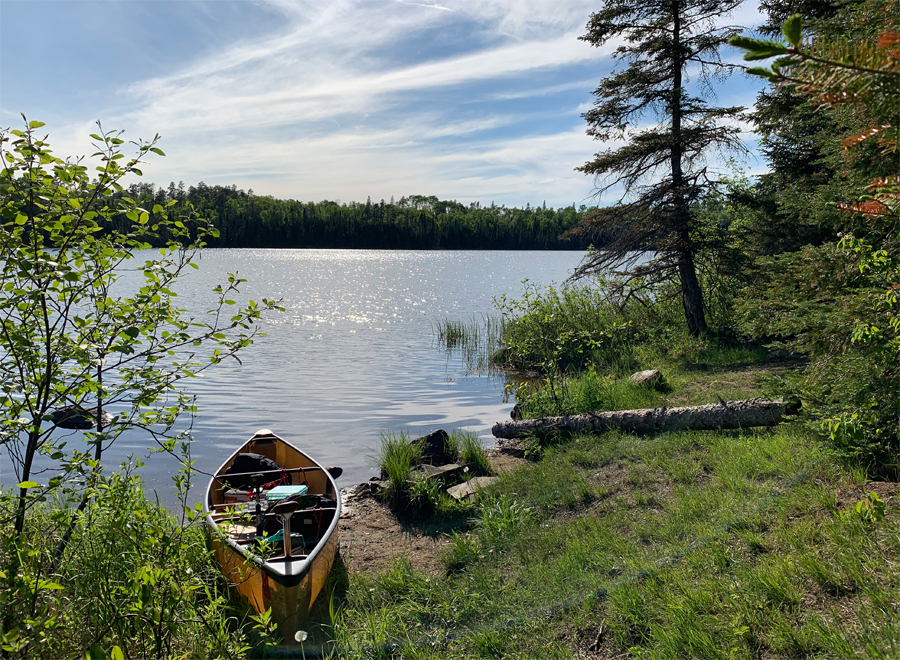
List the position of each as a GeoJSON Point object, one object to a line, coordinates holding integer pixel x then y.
{"type": "Point", "coordinates": [354, 354]}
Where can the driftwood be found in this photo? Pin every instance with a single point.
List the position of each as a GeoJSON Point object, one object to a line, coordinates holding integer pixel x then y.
{"type": "Point", "coordinates": [722, 415]}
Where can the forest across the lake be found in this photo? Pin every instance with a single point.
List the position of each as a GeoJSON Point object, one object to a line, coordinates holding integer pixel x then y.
{"type": "Point", "coordinates": [416, 222]}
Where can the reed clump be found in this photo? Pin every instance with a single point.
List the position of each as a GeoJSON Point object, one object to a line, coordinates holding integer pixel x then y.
{"type": "Point", "coordinates": [475, 341]}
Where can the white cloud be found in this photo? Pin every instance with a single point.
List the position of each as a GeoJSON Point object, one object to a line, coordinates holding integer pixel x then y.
{"type": "Point", "coordinates": [350, 98]}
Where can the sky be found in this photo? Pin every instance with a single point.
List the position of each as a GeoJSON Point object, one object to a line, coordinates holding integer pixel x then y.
{"type": "Point", "coordinates": [473, 100]}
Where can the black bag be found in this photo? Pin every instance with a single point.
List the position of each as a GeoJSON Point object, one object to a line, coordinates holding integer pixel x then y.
{"type": "Point", "coordinates": [252, 464]}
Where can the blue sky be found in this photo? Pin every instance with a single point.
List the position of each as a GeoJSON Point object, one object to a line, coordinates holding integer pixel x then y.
{"type": "Point", "coordinates": [474, 100]}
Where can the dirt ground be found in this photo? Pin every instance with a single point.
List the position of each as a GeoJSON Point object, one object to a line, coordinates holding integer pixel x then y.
{"type": "Point", "coordinates": [372, 537]}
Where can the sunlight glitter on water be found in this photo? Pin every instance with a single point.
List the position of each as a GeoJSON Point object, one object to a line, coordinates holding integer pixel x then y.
{"type": "Point", "coordinates": [354, 353]}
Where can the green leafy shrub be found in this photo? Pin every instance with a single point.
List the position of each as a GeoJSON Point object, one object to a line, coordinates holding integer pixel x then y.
{"type": "Point", "coordinates": [135, 580]}
{"type": "Point", "coordinates": [564, 330]}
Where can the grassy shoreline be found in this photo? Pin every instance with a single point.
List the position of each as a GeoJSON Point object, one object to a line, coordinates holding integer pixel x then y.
{"type": "Point", "coordinates": [699, 544]}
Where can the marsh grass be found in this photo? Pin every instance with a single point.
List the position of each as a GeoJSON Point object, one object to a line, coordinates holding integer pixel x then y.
{"type": "Point", "coordinates": [475, 341]}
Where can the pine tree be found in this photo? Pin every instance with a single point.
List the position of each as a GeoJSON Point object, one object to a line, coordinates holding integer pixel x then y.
{"type": "Point", "coordinates": [661, 169]}
{"type": "Point", "coordinates": [796, 138]}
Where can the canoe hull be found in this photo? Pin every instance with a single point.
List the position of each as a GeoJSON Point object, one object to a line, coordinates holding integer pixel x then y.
{"type": "Point", "coordinates": [288, 588]}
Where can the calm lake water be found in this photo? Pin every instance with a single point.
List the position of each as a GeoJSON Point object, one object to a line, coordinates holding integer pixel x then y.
{"type": "Point", "coordinates": [355, 353]}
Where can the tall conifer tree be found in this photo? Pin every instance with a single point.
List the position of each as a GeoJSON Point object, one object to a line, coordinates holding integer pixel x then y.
{"type": "Point", "coordinates": [665, 46]}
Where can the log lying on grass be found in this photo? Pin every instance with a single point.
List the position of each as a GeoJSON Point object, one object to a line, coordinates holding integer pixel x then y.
{"type": "Point", "coordinates": [709, 417]}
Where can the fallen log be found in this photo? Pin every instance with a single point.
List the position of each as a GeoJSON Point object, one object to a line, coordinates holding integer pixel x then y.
{"type": "Point", "coordinates": [709, 417]}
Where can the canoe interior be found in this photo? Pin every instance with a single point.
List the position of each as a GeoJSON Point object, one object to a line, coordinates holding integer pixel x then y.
{"type": "Point", "coordinates": [268, 579]}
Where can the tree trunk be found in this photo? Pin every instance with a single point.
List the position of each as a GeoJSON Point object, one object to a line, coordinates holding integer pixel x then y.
{"type": "Point", "coordinates": [709, 417]}
{"type": "Point", "coordinates": [691, 294]}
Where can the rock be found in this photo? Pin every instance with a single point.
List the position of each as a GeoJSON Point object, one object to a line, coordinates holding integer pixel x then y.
{"type": "Point", "coordinates": [366, 489]}
{"type": "Point", "coordinates": [468, 490]}
{"type": "Point", "coordinates": [77, 418]}
{"type": "Point", "coordinates": [651, 378]}
{"type": "Point", "coordinates": [448, 474]}
{"type": "Point", "coordinates": [516, 412]}
{"type": "Point", "coordinates": [435, 449]}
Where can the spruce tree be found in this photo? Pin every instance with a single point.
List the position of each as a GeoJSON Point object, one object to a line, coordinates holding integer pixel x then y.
{"type": "Point", "coordinates": [664, 46]}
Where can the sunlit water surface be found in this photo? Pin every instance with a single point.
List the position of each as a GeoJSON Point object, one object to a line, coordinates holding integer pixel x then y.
{"type": "Point", "coordinates": [354, 354]}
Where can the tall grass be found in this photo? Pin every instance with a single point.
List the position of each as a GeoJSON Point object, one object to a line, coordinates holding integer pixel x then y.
{"type": "Point", "coordinates": [583, 393]}
{"type": "Point", "coordinates": [469, 451]}
{"type": "Point", "coordinates": [396, 457]}
{"type": "Point", "coordinates": [474, 341]}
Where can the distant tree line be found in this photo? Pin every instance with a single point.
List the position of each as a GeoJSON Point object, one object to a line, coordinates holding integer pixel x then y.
{"type": "Point", "coordinates": [244, 219]}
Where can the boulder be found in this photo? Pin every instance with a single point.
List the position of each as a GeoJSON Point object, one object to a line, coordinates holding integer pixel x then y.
{"type": "Point", "coordinates": [435, 447]}
{"type": "Point", "coordinates": [77, 418]}
{"type": "Point", "coordinates": [450, 473]}
{"type": "Point", "coordinates": [651, 378]}
{"type": "Point", "coordinates": [468, 490]}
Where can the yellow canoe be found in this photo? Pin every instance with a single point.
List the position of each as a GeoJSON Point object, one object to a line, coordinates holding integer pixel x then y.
{"type": "Point", "coordinates": [287, 585]}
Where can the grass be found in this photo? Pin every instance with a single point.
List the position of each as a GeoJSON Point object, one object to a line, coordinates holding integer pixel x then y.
{"type": "Point", "coordinates": [684, 545]}
{"type": "Point", "coordinates": [728, 544]}
{"type": "Point", "coordinates": [470, 451]}
{"type": "Point", "coordinates": [396, 458]}
{"type": "Point", "coordinates": [735, 544]}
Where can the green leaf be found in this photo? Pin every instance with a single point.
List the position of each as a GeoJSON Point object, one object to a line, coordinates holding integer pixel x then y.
{"type": "Point", "coordinates": [792, 29]}
{"type": "Point", "coordinates": [116, 654]}
{"type": "Point", "coordinates": [27, 484]}
{"type": "Point", "coordinates": [157, 151]}
{"type": "Point", "coordinates": [758, 49]}
{"type": "Point", "coordinates": [36, 124]}
{"type": "Point", "coordinates": [762, 73]}
{"type": "Point", "coordinates": [53, 586]}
